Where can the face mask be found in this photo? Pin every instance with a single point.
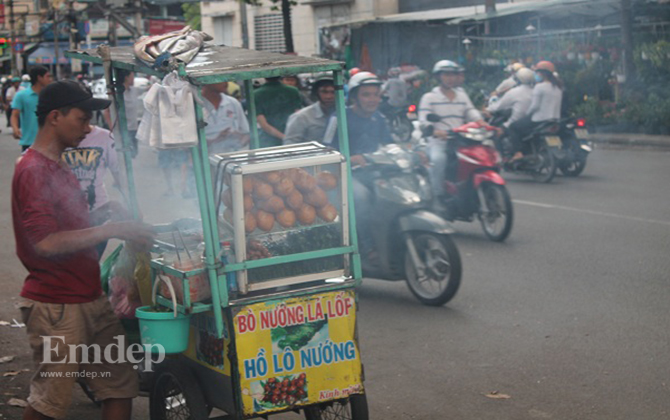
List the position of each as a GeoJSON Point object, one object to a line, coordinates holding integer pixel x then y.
{"type": "Point", "coordinates": [538, 78]}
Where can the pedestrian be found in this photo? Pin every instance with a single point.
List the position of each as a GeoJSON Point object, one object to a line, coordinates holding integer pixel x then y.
{"type": "Point", "coordinates": [24, 106]}
{"type": "Point", "coordinates": [131, 102]}
{"type": "Point", "coordinates": [63, 305]}
{"type": "Point", "coordinates": [12, 88]}
{"type": "Point", "coordinates": [90, 162]}
{"type": "Point", "coordinates": [275, 102]}
{"type": "Point", "coordinates": [294, 80]}
{"type": "Point", "coordinates": [227, 128]}
{"type": "Point", "coordinates": [309, 124]}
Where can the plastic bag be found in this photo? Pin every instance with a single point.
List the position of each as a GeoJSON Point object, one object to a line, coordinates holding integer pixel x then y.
{"type": "Point", "coordinates": [200, 289]}
{"type": "Point", "coordinates": [130, 282]}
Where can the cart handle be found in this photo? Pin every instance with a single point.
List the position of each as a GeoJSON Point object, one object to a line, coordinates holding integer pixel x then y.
{"type": "Point", "coordinates": [160, 278]}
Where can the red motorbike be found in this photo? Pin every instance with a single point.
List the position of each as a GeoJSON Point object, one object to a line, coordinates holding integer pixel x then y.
{"type": "Point", "coordinates": [479, 190]}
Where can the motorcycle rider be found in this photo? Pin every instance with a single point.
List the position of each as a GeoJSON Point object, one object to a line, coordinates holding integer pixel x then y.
{"type": "Point", "coordinates": [508, 83]}
{"type": "Point", "coordinates": [309, 124]}
{"type": "Point", "coordinates": [545, 105]}
{"type": "Point", "coordinates": [394, 90]}
{"type": "Point", "coordinates": [517, 99]}
{"type": "Point", "coordinates": [367, 131]}
{"type": "Point", "coordinates": [450, 102]}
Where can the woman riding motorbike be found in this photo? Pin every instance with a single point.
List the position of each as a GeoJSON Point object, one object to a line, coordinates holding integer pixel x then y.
{"type": "Point", "coordinates": [545, 105]}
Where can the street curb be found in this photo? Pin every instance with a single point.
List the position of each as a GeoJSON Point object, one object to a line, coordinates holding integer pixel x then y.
{"type": "Point", "coordinates": [621, 139]}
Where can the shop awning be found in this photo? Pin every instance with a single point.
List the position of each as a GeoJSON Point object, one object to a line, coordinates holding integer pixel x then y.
{"type": "Point", "coordinates": [46, 53]}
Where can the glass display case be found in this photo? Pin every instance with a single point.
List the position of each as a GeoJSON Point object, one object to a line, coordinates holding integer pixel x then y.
{"type": "Point", "coordinates": [282, 202]}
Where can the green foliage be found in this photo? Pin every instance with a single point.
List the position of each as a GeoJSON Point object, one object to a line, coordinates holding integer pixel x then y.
{"type": "Point", "coordinates": [192, 15]}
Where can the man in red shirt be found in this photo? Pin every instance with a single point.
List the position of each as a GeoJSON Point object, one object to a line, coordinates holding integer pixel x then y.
{"type": "Point", "coordinates": [63, 302]}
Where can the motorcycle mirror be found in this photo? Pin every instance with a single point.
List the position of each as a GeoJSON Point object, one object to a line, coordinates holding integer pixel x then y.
{"type": "Point", "coordinates": [433, 118]}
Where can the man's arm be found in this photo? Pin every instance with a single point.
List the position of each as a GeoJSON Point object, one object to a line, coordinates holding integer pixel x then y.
{"type": "Point", "coordinates": [15, 124]}
{"type": "Point", "coordinates": [265, 126]}
{"type": "Point", "coordinates": [69, 242]}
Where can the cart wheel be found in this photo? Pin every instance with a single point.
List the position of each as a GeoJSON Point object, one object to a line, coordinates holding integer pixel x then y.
{"type": "Point", "coordinates": [176, 394]}
{"type": "Point", "coordinates": [353, 408]}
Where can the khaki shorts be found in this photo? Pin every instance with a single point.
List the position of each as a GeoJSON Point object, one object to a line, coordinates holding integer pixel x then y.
{"type": "Point", "coordinates": [60, 364]}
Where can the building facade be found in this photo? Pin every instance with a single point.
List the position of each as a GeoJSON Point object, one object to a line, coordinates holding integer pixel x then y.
{"type": "Point", "coordinates": [222, 20]}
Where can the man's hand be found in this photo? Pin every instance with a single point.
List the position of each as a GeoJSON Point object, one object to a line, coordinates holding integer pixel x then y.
{"type": "Point", "coordinates": [358, 160]}
{"type": "Point", "coordinates": [441, 134]}
{"type": "Point", "coordinates": [139, 233]}
{"type": "Point", "coordinates": [17, 134]}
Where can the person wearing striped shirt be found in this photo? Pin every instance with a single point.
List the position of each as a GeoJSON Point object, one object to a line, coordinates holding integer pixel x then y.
{"type": "Point", "coordinates": [454, 107]}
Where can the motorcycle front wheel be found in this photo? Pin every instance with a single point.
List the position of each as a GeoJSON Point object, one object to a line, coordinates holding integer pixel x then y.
{"type": "Point", "coordinates": [353, 408]}
{"type": "Point", "coordinates": [440, 280]}
{"type": "Point", "coordinates": [497, 220]}
{"type": "Point", "coordinates": [545, 170]}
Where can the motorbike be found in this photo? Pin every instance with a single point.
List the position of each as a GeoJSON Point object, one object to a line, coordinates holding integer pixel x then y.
{"type": "Point", "coordinates": [575, 146]}
{"type": "Point", "coordinates": [539, 148]}
{"type": "Point", "coordinates": [399, 123]}
{"type": "Point", "coordinates": [479, 191]}
{"type": "Point", "coordinates": [412, 243]}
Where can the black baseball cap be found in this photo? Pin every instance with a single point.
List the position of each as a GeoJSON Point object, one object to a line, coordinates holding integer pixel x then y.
{"type": "Point", "coordinates": [68, 93]}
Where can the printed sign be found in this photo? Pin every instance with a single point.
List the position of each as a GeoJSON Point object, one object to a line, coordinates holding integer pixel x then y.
{"type": "Point", "coordinates": [297, 351]}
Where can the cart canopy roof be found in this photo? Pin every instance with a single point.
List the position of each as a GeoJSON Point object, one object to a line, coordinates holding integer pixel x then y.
{"type": "Point", "coordinates": [215, 63]}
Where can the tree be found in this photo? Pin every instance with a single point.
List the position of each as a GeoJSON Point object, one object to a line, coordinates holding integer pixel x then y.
{"type": "Point", "coordinates": [285, 7]}
{"type": "Point", "coordinates": [192, 15]}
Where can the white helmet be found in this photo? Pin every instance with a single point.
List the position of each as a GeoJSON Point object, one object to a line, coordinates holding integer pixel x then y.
{"type": "Point", "coordinates": [525, 76]}
{"type": "Point", "coordinates": [25, 78]}
{"type": "Point", "coordinates": [363, 78]}
{"type": "Point", "coordinates": [3, 80]}
{"type": "Point", "coordinates": [447, 66]}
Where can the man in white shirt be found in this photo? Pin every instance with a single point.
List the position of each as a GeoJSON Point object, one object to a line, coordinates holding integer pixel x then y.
{"type": "Point", "coordinates": [309, 124]}
{"type": "Point", "coordinates": [227, 127]}
{"type": "Point", "coordinates": [518, 99]}
{"type": "Point", "coordinates": [453, 105]}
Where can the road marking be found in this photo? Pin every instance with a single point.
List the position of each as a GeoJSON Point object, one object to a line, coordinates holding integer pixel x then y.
{"type": "Point", "coordinates": [593, 212]}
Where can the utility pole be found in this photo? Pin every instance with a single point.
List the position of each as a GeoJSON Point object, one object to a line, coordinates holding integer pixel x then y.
{"type": "Point", "coordinates": [12, 53]}
{"type": "Point", "coordinates": [56, 44]}
{"type": "Point", "coordinates": [627, 40]}
{"type": "Point", "coordinates": [245, 26]}
{"type": "Point", "coordinates": [489, 8]}
{"type": "Point", "coordinates": [74, 32]}
{"type": "Point", "coordinates": [138, 17]}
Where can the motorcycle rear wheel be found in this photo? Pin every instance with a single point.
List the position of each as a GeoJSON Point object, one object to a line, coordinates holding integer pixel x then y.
{"type": "Point", "coordinates": [575, 167]}
{"type": "Point", "coordinates": [442, 260]}
{"type": "Point", "coordinates": [353, 408]}
{"type": "Point", "coordinates": [497, 222]}
{"type": "Point", "coordinates": [546, 169]}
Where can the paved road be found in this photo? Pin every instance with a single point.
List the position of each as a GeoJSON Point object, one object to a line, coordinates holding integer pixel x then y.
{"type": "Point", "coordinates": [568, 318]}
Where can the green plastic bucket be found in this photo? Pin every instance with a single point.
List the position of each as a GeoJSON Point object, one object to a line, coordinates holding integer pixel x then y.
{"type": "Point", "coordinates": [167, 329]}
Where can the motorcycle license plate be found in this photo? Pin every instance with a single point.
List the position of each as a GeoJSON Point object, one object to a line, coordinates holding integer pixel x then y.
{"type": "Point", "coordinates": [553, 141]}
{"type": "Point", "coordinates": [581, 133]}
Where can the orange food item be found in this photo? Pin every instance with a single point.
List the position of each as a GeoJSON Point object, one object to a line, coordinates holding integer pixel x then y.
{"type": "Point", "coordinates": [317, 197]}
{"type": "Point", "coordinates": [284, 187]}
{"type": "Point", "coordinates": [228, 197]}
{"type": "Point", "coordinates": [248, 203]}
{"type": "Point", "coordinates": [294, 200]}
{"type": "Point", "coordinates": [273, 204]}
{"type": "Point", "coordinates": [249, 222]}
{"type": "Point", "coordinates": [263, 190]}
{"type": "Point", "coordinates": [286, 218]}
{"type": "Point", "coordinates": [328, 213]}
{"type": "Point", "coordinates": [265, 220]}
{"type": "Point", "coordinates": [248, 184]}
{"type": "Point", "coordinates": [326, 180]}
{"type": "Point", "coordinates": [306, 215]}
{"type": "Point", "coordinates": [228, 215]}
{"type": "Point", "coordinates": [273, 177]}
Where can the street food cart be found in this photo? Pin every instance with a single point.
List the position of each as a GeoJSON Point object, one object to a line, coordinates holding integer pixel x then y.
{"type": "Point", "coordinates": [277, 329]}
